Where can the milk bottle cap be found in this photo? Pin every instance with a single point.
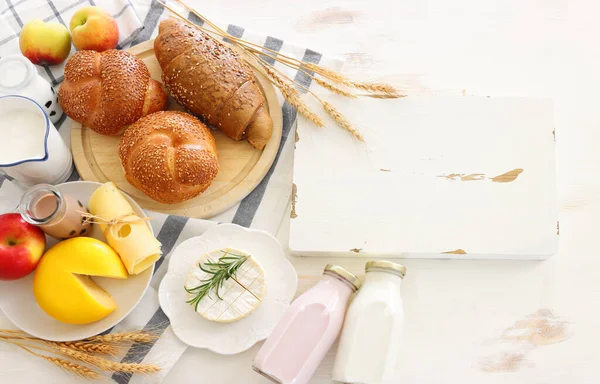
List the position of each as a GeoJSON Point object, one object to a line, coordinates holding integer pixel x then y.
{"type": "Point", "coordinates": [342, 274]}
{"type": "Point", "coordinates": [386, 266]}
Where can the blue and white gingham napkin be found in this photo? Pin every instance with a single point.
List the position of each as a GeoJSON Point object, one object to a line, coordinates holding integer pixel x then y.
{"type": "Point", "coordinates": [264, 208]}
{"type": "Point", "coordinates": [16, 13]}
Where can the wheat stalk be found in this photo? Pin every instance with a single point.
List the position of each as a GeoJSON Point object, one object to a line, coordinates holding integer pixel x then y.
{"type": "Point", "coordinates": [107, 365]}
{"type": "Point", "coordinates": [329, 79]}
{"type": "Point", "coordinates": [84, 351]}
{"type": "Point", "coordinates": [94, 344]}
{"type": "Point", "coordinates": [387, 89]}
{"type": "Point", "coordinates": [342, 121]}
{"type": "Point", "coordinates": [223, 33]}
{"type": "Point", "coordinates": [69, 366]}
{"type": "Point", "coordinates": [292, 96]}
{"type": "Point", "coordinates": [283, 82]}
{"type": "Point", "coordinates": [327, 85]}
{"type": "Point", "coordinates": [124, 337]}
{"type": "Point", "coordinates": [143, 369]}
{"type": "Point", "coordinates": [88, 347]}
{"type": "Point", "coordinates": [216, 27]}
{"type": "Point", "coordinates": [13, 332]}
{"type": "Point", "coordinates": [380, 88]}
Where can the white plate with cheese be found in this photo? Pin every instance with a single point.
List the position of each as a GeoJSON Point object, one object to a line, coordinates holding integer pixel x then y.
{"type": "Point", "coordinates": [19, 304]}
{"type": "Point", "coordinates": [251, 304]}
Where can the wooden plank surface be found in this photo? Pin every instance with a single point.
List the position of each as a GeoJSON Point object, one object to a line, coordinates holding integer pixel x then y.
{"type": "Point", "coordinates": [241, 166]}
{"type": "Point", "coordinates": [438, 176]}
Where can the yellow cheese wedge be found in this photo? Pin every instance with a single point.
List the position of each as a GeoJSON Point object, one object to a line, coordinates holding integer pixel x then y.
{"type": "Point", "coordinates": [62, 285]}
{"type": "Point", "coordinates": [131, 237]}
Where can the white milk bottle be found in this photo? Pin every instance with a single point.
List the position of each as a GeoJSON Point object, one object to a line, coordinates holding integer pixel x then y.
{"type": "Point", "coordinates": [370, 341]}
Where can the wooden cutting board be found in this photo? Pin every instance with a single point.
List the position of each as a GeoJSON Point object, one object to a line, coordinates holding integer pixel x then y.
{"type": "Point", "coordinates": [455, 177]}
{"type": "Point", "coordinates": [241, 166]}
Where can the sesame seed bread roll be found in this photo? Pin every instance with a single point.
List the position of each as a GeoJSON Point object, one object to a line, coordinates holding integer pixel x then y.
{"type": "Point", "coordinates": [170, 156]}
{"type": "Point", "coordinates": [213, 82]}
{"type": "Point", "coordinates": [107, 91]}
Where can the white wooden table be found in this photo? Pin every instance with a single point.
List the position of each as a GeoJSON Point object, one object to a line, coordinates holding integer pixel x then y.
{"type": "Point", "coordinates": [481, 47]}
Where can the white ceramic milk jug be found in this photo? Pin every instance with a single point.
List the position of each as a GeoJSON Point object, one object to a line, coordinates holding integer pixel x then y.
{"type": "Point", "coordinates": [31, 149]}
{"type": "Point", "coordinates": [18, 76]}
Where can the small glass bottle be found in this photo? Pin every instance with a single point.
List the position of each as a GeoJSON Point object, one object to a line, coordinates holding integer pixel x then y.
{"type": "Point", "coordinates": [57, 214]}
{"type": "Point", "coordinates": [370, 341]}
{"type": "Point", "coordinates": [294, 350]}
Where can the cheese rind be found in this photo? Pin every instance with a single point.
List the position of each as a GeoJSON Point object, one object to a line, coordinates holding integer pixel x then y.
{"type": "Point", "coordinates": [240, 295]}
{"type": "Point", "coordinates": [62, 285]}
{"type": "Point", "coordinates": [131, 238]}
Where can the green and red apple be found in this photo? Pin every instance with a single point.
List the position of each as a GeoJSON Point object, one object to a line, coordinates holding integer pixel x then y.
{"type": "Point", "coordinates": [94, 29]}
{"type": "Point", "coordinates": [45, 43]}
{"type": "Point", "coordinates": [21, 246]}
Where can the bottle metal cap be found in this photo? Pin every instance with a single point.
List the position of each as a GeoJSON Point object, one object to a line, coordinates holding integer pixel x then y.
{"type": "Point", "coordinates": [341, 273]}
{"type": "Point", "coordinates": [386, 266]}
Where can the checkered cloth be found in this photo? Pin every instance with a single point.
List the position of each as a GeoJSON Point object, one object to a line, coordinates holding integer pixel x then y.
{"type": "Point", "coordinates": [264, 208]}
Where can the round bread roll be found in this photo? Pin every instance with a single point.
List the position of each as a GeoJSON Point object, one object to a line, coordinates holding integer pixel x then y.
{"type": "Point", "coordinates": [170, 156]}
{"type": "Point", "coordinates": [107, 91]}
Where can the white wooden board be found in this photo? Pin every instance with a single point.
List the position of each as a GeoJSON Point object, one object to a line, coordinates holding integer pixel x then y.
{"type": "Point", "coordinates": [457, 177]}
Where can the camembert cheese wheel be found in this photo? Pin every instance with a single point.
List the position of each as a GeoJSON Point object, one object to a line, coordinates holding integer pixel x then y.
{"type": "Point", "coordinates": [62, 285]}
{"type": "Point", "coordinates": [240, 295]}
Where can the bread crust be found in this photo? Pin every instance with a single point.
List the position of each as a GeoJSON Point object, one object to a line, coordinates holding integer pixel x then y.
{"type": "Point", "coordinates": [107, 91]}
{"type": "Point", "coordinates": [212, 82]}
{"type": "Point", "coordinates": [170, 156]}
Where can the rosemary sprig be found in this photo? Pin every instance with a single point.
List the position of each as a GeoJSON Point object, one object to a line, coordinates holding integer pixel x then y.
{"type": "Point", "coordinates": [222, 270]}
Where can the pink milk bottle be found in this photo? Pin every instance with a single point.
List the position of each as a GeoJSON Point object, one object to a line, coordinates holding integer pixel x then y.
{"type": "Point", "coordinates": [310, 326]}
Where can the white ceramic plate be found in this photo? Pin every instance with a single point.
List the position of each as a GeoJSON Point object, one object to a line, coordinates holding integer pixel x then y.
{"type": "Point", "coordinates": [193, 329]}
{"type": "Point", "coordinates": [19, 305]}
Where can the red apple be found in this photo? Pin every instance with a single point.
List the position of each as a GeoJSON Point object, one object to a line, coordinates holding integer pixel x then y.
{"type": "Point", "coordinates": [21, 246]}
{"type": "Point", "coordinates": [45, 43]}
{"type": "Point", "coordinates": [94, 29]}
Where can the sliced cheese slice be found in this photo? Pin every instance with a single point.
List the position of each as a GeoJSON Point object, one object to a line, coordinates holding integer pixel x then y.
{"type": "Point", "coordinates": [240, 295]}
{"type": "Point", "coordinates": [130, 237]}
{"type": "Point", "coordinates": [62, 285]}
{"type": "Point", "coordinates": [134, 243]}
{"type": "Point", "coordinates": [109, 201]}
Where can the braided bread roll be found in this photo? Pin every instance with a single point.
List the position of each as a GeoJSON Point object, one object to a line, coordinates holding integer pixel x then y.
{"type": "Point", "coordinates": [170, 156]}
{"type": "Point", "coordinates": [107, 91]}
{"type": "Point", "coordinates": [213, 82]}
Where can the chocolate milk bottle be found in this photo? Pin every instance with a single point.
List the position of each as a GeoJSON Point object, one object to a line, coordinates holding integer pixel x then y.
{"type": "Point", "coordinates": [57, 214]}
